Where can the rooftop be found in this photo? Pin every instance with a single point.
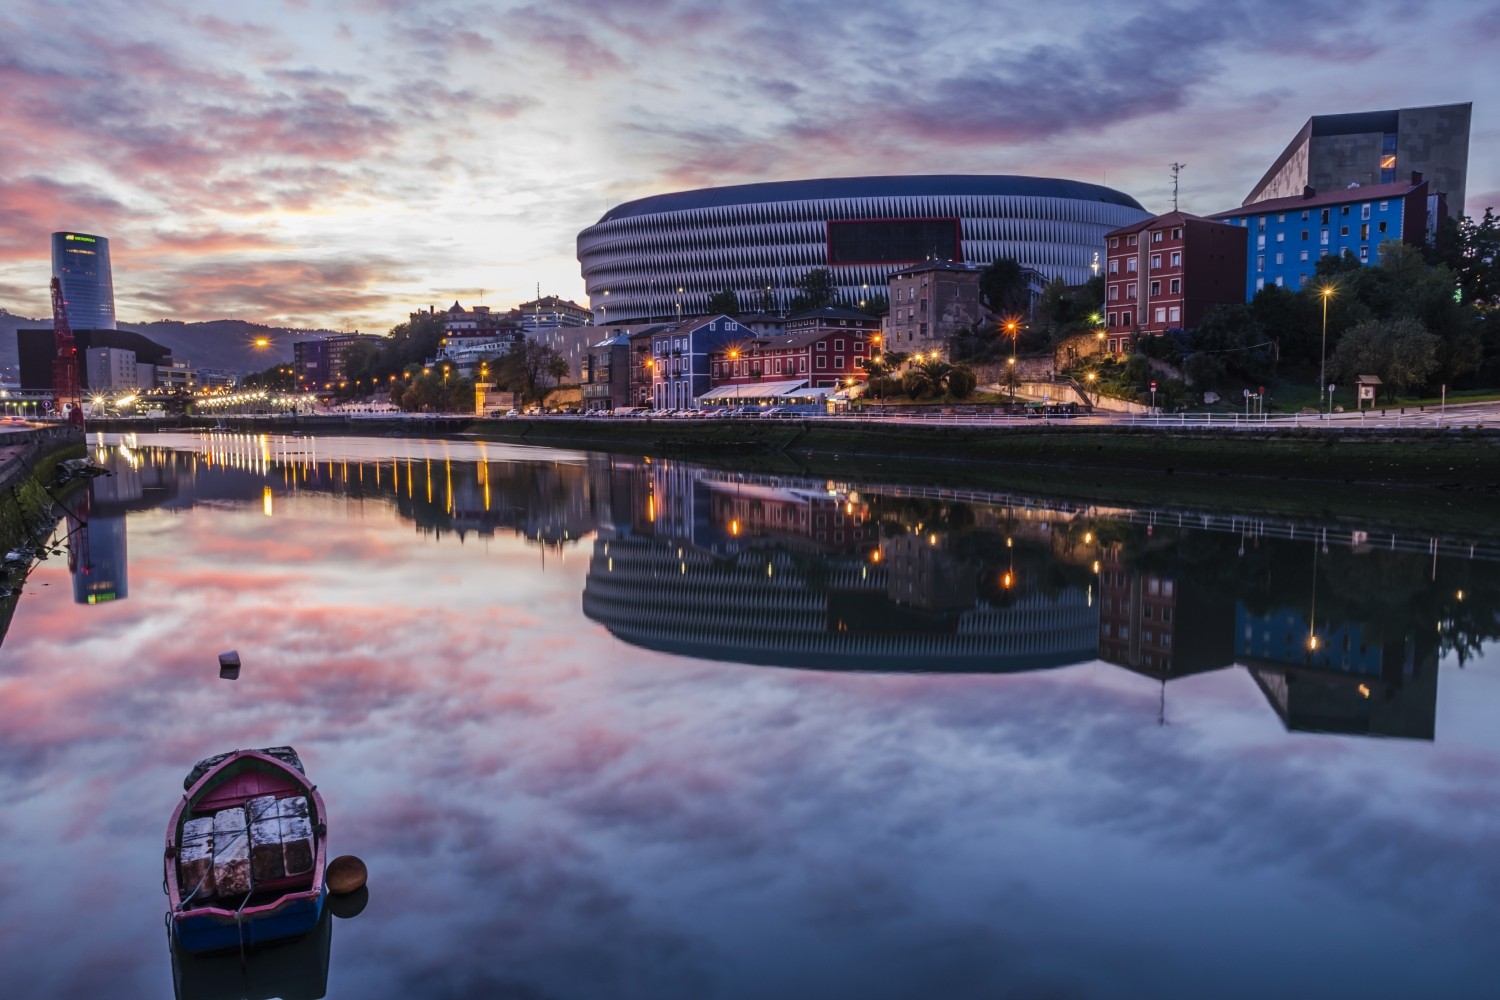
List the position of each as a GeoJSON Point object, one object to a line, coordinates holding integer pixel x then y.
{"type": "Point", "coordinates": [869, 187]}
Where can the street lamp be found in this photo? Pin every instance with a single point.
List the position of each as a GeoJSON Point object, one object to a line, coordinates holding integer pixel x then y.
{"type": "Point", "coordinates": [1323, 356]}
{"type": "Point", "coordinates": [1013, 328]}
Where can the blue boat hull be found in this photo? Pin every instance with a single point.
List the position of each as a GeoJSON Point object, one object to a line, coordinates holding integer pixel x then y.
{"type": "Point", "coordinates": [203, 931]}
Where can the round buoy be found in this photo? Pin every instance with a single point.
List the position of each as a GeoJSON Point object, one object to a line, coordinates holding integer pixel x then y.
{"type": "Point", "coordinates": [346, 873]}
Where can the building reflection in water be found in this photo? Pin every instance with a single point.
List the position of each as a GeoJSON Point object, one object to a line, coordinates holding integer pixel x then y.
{"type": "Point", "coordinates": [799, 572]}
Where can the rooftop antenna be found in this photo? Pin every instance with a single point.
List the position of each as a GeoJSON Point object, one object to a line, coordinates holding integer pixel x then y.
{"type": "Point", "coordinates": [1176, 169]}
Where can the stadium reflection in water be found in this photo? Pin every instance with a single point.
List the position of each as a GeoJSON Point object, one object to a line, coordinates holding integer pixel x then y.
{"type": "Point", "coordinates": [618, 726]}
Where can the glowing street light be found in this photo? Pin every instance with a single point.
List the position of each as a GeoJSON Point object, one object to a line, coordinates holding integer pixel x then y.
{"type": "Point", "coordinates": [1327, 293]}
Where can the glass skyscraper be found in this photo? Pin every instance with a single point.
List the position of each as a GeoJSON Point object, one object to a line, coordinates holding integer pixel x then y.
{"type": "Point", "coordinates": [81, 261]}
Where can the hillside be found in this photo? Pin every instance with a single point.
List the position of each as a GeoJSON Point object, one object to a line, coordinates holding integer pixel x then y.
{"type": "Point", "coordinates": [220, 343]}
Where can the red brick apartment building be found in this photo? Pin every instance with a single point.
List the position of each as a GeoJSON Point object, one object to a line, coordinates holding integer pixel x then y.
{"type": "Point", "coordinates": [1164, 273]}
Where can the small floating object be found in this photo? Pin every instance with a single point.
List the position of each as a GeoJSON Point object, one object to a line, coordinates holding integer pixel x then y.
{"type": "Point", "coordinates": [346, 874]}
{"type": "Point", "coordinates": [229, 665]}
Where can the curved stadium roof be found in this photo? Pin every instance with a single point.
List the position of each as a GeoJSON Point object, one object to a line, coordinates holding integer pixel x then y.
{"type": "Point", "coordinates": [870, 187]}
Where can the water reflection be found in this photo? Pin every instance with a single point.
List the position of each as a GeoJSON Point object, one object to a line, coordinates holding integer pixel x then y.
{"type": "Point", "coordinates": [1336, 629]}
{"type": "Point", "coordinates": [547, 810]}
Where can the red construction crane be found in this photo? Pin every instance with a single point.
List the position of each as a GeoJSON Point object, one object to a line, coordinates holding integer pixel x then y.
{"type": "Point", "coordinates": [66, 396]}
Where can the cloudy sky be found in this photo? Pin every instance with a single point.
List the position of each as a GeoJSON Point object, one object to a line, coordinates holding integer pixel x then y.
{"type": "Point", "coordinates": [339, 162]}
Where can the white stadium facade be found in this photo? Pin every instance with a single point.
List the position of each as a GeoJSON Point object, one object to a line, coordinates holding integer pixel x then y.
{"type": "Point", "coordinates": [667, 255]}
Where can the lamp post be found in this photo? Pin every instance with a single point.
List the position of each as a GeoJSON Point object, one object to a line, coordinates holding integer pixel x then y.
{"type": "Point", "coordinates": [1323, 355]}
{"type": "Point", "coordinates": [1013, 327]}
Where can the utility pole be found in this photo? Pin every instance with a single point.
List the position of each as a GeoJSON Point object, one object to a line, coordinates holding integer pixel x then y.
{"type": "Point", "coordinates": [1176, 169]}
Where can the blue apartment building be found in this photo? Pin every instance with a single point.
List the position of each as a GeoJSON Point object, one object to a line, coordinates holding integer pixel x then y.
{"type": "Point", "coordinates": [679, 365]}
{"type": "Point", "coordinates": [1287, 236]}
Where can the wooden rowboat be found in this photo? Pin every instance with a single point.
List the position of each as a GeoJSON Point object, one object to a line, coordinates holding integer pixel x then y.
{"type": "Point", "coordinates": [245, 852]}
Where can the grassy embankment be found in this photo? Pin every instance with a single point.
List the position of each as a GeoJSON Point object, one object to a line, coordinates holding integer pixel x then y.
{"type": "Point", "coordinates": [26, 518]}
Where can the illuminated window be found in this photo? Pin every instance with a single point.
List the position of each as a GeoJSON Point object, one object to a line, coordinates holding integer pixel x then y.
{"type": "Point", "coordinates": [1388, 161]}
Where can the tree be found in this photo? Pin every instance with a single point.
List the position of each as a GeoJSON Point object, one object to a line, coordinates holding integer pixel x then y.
{"type": "Point", "coordinates": [815, 290]}
{"type": "Point", "coordinates": [1003, 287]}
{"type": "Point", "coordinates": [525, 368]}
{"type": "Point", "coordinates": [1400, 351]}
{"type": "Point", "coordinates": [876, 304]}
{"type": "Point", "coordinates": [962, 382]}
{"type": "Point", "coordinates": [1471, 250]}
{"type": "Point", "coordinates": [725, 302]}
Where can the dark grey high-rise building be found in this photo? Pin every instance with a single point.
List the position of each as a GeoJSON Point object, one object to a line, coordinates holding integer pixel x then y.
{"type": "Point", "coordinates": [81, 262]}
{"type": "Point", "coordinates": [1331, 152]}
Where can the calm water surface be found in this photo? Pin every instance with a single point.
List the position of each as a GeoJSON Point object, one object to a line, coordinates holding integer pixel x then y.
{"type": "Point", "coordinates": [1027, 750]}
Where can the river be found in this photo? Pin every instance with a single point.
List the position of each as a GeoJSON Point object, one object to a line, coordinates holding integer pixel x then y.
{"type": "Point", "coordinates": [618, 726]}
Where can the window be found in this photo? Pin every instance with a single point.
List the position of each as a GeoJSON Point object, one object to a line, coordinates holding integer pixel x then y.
{"type": "Point", "coordinates": [1155, 261]}
{"type": "Point", "coordinates": [1364, 210]}
{"type": "Point", "coordinates": [1130, 241]}
{"type": "Point", "coordinates": [1260, 223]}
{"type": "Point", "coordinates": [1177, 234]}
{"type": "Point", "coordinates": [1176, 286]}
{"type": "Point", "coordinates": [802, 364]}
{"type": "Point", "coordinates": [1260, 242]}
{"type": "Point", "coordinates": [1343, 230]}
{"type": "Point", "coordinates": [1364, 231]}
{"type": "Point", "coordinates": [1175, 314]}
{"type": "Point", "coordinates": [1304, 236]}
{"type": "Point", "coordinates": [1304, 219]}
{"type": "Point", "coordinates": [1156, 236]}
{"type": "Point", "coordinates": [1324, 218]}
{"type": "Point", "coordinates": [1323, 237]}
{"type": "Point", "coordinates": [1343, 209]}
{"type": "Point", "coordinates": [1114, 319]}
{"type": "Point", "coordinates": [1303, 255]}
{"type": "Point", "coordinates": [1176, 258]}
{"type": "Point", "coordinates": [1281, 237]}
{"type": "Point", "coordinates": [838, 361]}
{"type": "Point", "coordinates": [1384, 205]}
{"type": "Point", "coordinates": [1280, 282]}
{"type": "Point", "coordinates": [838, 345]}
{"type": "Point", "coordinates": [822, 345]}
{"type": "Point", "coordinates": [1130, 290]}
{"type": "Point", "coordinates": [822, 361]}
{"type": "Point", "coordinates": [1125, 318]}
{"type": "Point", "coordinates": [1281, 217]}
{"type": "Point", "coordinates": [1260, 283]}
{"type": "Point", "coordinates": [1260, 262]}
{"type": "Point", "coordinates": [1281, 258]}
{"type": "Point", "coordinates": [778, 366]}
{"type": "Point", "coordinates": [1130, 266]}
{"type": "Point", "coordinates": [1114, 265]}
{"type": "Point", "coordinates": [1155, 288]}
{"type": "Point", "coordinates": [1114, 242]}
{"type": "Point", "coordinates": [1113, 289]}
{"type": "Point", "coordinates": [1323, 252]}
{"type": "Point", "coordinates": [1161, 314]}
{"type": "Point", "coordinates": [1381, 226]}
{"type": "Point", "coordinates": [1364, 255]}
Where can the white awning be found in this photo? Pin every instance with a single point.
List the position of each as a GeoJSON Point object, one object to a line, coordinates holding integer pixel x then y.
{"type": "Point", "coordinates": [754, 390]}
{"type": "Point", "coordinates": [822, 392]}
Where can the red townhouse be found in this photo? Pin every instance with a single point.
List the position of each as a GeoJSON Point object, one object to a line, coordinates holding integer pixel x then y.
{"type": "Point", "coordinates": [1164, 273]}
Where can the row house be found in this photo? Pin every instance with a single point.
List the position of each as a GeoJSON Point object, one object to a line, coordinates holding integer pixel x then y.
{"type": "Point", "coordinates": [1166, 272]}
{"type": "Point", "coordinates": [679, 358]}
{"type": "Point", "coordinates": [1287, 236]}
{"type": "Point", "coordinates": [818, 359]}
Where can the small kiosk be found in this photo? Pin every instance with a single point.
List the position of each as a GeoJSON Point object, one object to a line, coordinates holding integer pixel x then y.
{"type": "Point", "coordinates": [1365, 386]}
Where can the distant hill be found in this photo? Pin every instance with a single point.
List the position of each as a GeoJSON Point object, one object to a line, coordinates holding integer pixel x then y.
{"type": "Point", "coordinates": [221, 343]}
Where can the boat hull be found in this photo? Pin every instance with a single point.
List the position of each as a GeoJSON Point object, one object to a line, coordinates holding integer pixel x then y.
{"type": "Point", "coordinates": [210, 929]}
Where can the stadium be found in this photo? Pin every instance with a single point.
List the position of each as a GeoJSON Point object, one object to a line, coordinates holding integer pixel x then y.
{"type": "Point", "coordinates": [664, 256]}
